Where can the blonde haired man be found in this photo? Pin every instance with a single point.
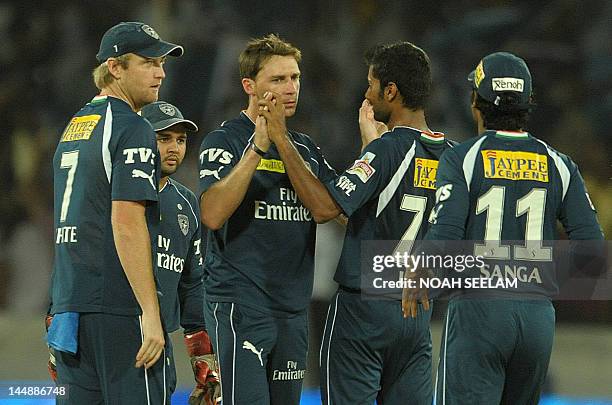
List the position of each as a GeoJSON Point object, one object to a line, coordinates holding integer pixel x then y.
{"type": "Point", "coordinates": [106, 332]}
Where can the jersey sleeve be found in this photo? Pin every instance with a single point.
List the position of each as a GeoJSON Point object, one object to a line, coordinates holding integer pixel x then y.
{"type": "Point", "coordinates": [191, 284]}
{"type": "Point", "coordinates": [578, 215]}
{"type": "Point", "coordinates": [364, 180]}
{"type": "Point", "coordinates": [324, 171]}
{"type": "Point", "coordinates": [217, 158]}
{"type": "Point", "coordinates": [133, 173]}
{"type": "Point", "coordinates": [449, 215]}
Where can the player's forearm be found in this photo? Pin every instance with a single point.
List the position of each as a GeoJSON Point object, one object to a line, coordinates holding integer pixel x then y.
{"type": "Point", "coordinates": [312, 193]}
{"type": "Point", "coordinates": [133, 246]}
{"type": "Point", "coordinates": [221, 200]}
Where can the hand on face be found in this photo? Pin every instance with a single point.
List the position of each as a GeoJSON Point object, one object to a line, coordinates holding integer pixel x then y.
{"type": "Point", "coordinates": [274, 115]}
{"type": "Point", "coordinates": [369, 127]}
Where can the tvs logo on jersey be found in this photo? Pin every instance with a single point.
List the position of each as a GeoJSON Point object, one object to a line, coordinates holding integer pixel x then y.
{"type": "Point", "coordinates": [144, 155]}
{"type": "Point", "coordinates": [425, 173]}
{"type": "Point", "coordinates": [183, 222]}
{"type": "Point", "coordinates": [362, 168]}
{"type": "Point", "coordinates": [503, 164]}
{"type": "Point", "coordinates": [216, 155]}
{"type": "Point", "coordinates": [271, 165]}
{"type": "Point", "coordinates": [80, 128]}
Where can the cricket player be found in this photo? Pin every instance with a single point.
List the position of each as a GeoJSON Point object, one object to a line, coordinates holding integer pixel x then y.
{"type": "Point", "coordinates": [107, 331]}
{"type": "Point", "coordinates": [369, 351]}
{"type": "Point", "coordinates": [504, 190]}
{"type": "Point", "coordinates": [260, 253]}
{"type": "Point", "coordinates": [179, 257]}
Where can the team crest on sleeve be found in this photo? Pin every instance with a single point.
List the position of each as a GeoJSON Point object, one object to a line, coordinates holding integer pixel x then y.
{"type": "Point", "coordinates": [362, 168]}
{"type": "Point", "coordinates": [183, 222]}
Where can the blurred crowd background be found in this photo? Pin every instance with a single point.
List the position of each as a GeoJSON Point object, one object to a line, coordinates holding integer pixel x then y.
{"type": "Point", "coordinates": [48, 51]}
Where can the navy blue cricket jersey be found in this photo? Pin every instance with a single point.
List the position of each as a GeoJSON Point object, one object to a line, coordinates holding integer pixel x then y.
{"type": "Point", "coordinates": [107, 152]}
{"type": "Point", "coordinates": [263, 256]}
{"type": "Point", "coordinates": [179, 258]}
{"type": "Point", "coordinates": [387, 194]}
{"type": "Point", "coordinates": [505, 190]}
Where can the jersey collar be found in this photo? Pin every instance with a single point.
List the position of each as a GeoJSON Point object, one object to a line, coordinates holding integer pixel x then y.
{"type": "Point", "coordinates": [246, 118]}
{"type": "Point", "coordinates": [511, 134]}
{"type": "Point", "coordinates": [98, 99]}
{"type": "Point", "coordinates": [429, 137]}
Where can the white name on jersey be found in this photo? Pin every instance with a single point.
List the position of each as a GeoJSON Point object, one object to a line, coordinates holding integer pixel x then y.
{"type": "Point", "coordinates": [66, 234]}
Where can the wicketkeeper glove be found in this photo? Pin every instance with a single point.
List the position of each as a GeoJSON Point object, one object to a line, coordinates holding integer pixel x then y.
{"type": "Point", "coordinates": [203, 361]}
{"type": "Point", "coordinates": [51, 363]}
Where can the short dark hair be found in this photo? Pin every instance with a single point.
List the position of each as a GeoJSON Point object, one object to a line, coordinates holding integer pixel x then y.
{"type": "Point", "coordinates": [407, 66]}
{"type": "Point", "coordinates": [258, 50]}
{"type": "Point", "coordinates": [505, 116]}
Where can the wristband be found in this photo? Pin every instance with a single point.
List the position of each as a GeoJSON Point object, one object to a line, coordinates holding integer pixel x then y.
{"type": "Point", "coordinates": [257, 150]}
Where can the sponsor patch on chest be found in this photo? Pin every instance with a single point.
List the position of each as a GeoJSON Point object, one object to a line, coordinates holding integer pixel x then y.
{"type": "Point", "coordinates": [271, 165]}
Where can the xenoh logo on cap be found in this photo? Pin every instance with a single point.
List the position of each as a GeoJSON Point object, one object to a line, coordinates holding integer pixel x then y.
{"type": "Point", "coordinates": [167, 109]}
{"type": "Point", "coordinates": [510, 165]}
{"type": "Point", "coordinates": [508, 84]}
{"type": "Point", "coordinates": [150, 31]}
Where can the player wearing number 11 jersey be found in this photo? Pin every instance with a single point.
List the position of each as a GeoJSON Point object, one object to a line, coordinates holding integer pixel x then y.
{"type": "Point", "coordinates": [369, 351]}
{"type": "Point", "coordinates": [505, 190]}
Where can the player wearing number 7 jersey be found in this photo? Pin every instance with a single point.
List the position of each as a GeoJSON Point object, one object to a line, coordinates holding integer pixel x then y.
{"type": "Point", "coordinates": [107, 331]}
{"type": "Point", "coordinates": [504, 188]}
{"type": "Point", "coordinates": [369, 351]}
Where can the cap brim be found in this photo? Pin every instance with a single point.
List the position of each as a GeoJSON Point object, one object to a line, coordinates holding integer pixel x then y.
{"type": "Point", "coordinates": [165, 124]}
{"type": "Point", "coordinates": [161, 48]}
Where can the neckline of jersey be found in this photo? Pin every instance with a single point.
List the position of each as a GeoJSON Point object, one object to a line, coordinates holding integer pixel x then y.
{"type": "Point", "coordinates": [243, 113]}
{"type": "Point", "coordinates": [511, 134]}
{"type": "Point", "coordinates": [434, 137]}
{"type": "Point", "coordinates": [98, 99]}
{"type": "Point", "coordinates": [164, 186]}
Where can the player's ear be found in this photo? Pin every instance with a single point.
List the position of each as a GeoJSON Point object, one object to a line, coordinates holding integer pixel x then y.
{"type": "Point", "coordinates": [248, 85]}
{"type": "Point", "coordinates": [114, 67]}
{"type": "Point", "coordinates": [391, 91]}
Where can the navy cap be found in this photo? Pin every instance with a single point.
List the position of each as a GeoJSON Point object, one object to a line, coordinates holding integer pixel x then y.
{"type": "Point", "coordinates": [163, 115]}
{"type": "Point", "coordinates": [502, 72]}
{"type": "Point", "coordinates": [135, 37]}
